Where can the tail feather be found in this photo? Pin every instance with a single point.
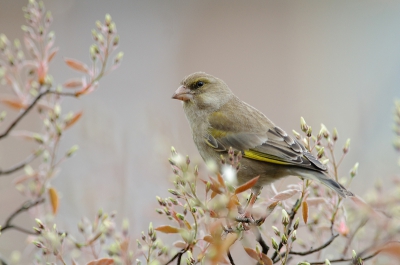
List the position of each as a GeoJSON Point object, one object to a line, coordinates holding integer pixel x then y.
{"type": "Point", "coordinates": [327, 181]}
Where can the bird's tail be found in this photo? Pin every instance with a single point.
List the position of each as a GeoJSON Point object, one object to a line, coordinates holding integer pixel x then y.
{"type": "Point", "coordinates": [327, 181]}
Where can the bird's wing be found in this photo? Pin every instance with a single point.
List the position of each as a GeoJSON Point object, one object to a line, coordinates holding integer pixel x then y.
{"type": "Point", "coordinates": [262, 141]}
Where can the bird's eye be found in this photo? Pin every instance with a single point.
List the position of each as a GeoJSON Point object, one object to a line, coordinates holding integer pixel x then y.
{"type": "Point", "coordinates": [199, 84]}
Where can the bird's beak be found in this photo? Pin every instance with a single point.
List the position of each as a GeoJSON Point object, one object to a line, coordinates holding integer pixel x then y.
{"type": "Point", "coordinates": [182, 93]}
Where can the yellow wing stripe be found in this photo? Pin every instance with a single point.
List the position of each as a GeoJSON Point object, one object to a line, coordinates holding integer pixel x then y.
{"type": "Point", "coordinates": [253, 155]}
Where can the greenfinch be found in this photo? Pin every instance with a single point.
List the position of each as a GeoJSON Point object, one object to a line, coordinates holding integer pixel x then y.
{"type": "Point", "coordinates": [219, 120]}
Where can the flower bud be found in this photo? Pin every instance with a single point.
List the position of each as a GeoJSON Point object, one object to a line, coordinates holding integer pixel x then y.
{"type": "Point", "coordinates": [346, 146]}
{"type": "Point", "coordinates": [284, 239]}
{"type": "Point", "coordinates": [151, 229]}
{"type": "Point", "coordinates": [294, 235]}
{"type": "Point", "coordinates": [296, 223]}
{"type": "Point", "coordinates": [285, 217]}
{"type": "Point", "coordinates": [296, 134]}
{"type": "Point", "coordinates": [327, 262]}
{"type": "Point", "coordinates": [321, 152]}
{"type": "Point", "coordinates": [309, 131]}
{"type": "Point", "coordinates": [353, 171]}
{"type": "Point", "coordinates": [276, 231]}
{"type": "Point", "coordinates": [303, 125]}
{"type": "Point", "coordinates": [274, 243]}
{"type": "Point", "coordinates": [335, 134]}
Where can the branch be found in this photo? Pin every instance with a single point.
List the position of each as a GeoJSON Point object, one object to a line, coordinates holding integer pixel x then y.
{"type": "Point", "coordinates": [292, 214]}
{"type": "Point", "coordinates": [230, 258]}
{"type": "Point", "coordinates": [315, 249]}
{"type": "Point", "coordinates": [38, 97]}
{"type": "Point", "coordinates": [19, 118]}
{"type": "Point", "coordinates": [25, 207]}
{"type": "Point", "coordinates": [343, 259]}
{"type": "Point", "coordinates": [21, 164]}
{"type": "Point", "coordinates": [177, 255]}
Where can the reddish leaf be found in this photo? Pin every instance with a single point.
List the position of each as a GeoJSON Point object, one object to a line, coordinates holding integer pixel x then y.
{"type": "Point", "coordinates": [229, 241]}
{"type": "Point", "coordinates": [103, 261]}
{"type": "Point", "coordinates": [52, 54]}
{"type": "Point", "coordinates": [167, 229]}
{"type": "Point", "coordinates": [266, 259]}
{"type": "Point", "coordinates": [304, 209]}
{"type": "Point", "coordinates": [187, 225]}
{"type": "Point", "coordinates": [248, 185]}
{"type": "Point", "coordinates": [76, 65]}
{"type": "Point", "coordinates": [221, 180]}
{"type": "Point", "coordinates": [73, 120]}
{"type": "Point", "coordinates": [73, 83]}
{"type": "Point", "coordinates": [54, 200]}
{"type": "Point", "coordinates": [16, 104]}
{"type": "Point", "coordinates": [252, 253]}
{"type": "Point", "coordinates": [284, 195]}
{"type": "Point", "coordinates": [208, 239]}
{"type": "Point", "coordinates": [215, 186]}
{"type": "Point", "coordinates": [213, 194]}
{"type": "Point", "coordinates": [392, 249]}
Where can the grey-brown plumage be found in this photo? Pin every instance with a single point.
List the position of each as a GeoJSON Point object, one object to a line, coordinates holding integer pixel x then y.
{"type": "Point", "coordinates": [219, 120]}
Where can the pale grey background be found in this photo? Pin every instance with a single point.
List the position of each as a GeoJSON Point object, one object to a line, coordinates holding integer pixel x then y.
{"type": "Point", "coordinates": [336, 62]}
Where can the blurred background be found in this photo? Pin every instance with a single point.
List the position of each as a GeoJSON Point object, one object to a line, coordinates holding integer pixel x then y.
{"type": "Point", "coordinates": [332, 62]}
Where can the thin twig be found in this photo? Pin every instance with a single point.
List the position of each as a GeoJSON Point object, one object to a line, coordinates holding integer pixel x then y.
{"type": "Point", "coordinates": [230, 258]}
{"type": "Point", "coordinates": [348, 243]}
{"type": "Point", "coordinates": [262, 243]}
{"type": "Point", "coordinates": [25, 207]}
{"type": "Point", "coordinates": [21, 164]}
{"type": "Point", "coordinates": [343, 259]}
{"type": "Point", "coordinates": [19, 118]}
{"type": "Point", "coordinates": [327, 243]}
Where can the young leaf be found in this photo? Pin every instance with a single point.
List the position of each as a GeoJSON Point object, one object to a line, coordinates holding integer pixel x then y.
{"type": "Point", "coordinates": [180, 244]}
{"type": "Point", "coordinates": [16, 104]}
{"type": "Point", "coordinates": [284, 195]}
{"type": "Point", "coordinates": [103, 261]}
{"type": "Point", "coordinates": [167, 229]}
{"type": "Point", "coordinates": [248, 185]}
{"type": "Point", "coordinates": [304, 209]}
{"type": "Point", "coordinates": [77, 65]}
{"type": "Point", "coordinates": [54, 200]}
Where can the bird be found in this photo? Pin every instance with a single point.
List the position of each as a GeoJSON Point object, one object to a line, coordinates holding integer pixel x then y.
{"type": "Point", "coordinates": [219, 120]}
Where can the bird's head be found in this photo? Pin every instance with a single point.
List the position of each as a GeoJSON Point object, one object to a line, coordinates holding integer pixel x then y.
{"type": "Point", "coordinates": [203, 91]}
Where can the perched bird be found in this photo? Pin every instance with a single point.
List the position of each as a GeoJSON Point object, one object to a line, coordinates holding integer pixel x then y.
{"type": "Point", "coordinates": [220, 120]}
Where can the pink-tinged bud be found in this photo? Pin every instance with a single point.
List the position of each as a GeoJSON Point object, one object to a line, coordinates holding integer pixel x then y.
{"type": "Point", "coordinates": [343, 229]}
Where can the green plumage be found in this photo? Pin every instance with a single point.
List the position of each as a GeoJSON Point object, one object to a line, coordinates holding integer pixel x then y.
{"type": "Point", "coordinates": [219, 120]}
